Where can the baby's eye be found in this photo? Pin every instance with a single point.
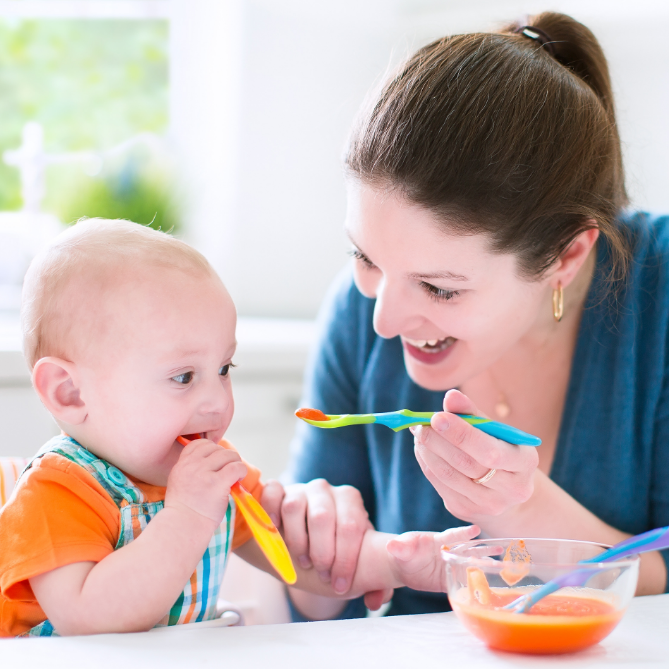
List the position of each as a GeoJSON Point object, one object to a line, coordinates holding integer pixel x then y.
{"type": "Point", "coordinates": [225, 370]}
{"type": "Point", "coordinates": [184, 378]}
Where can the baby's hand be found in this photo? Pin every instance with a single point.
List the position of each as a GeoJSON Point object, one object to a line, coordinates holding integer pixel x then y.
{"type": "Point", "coordinates": [201, 479]}
{"type": "Point", "coordinates": [417, 559]}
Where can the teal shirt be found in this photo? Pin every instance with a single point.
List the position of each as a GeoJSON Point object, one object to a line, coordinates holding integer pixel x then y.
{"type": "Point", "coordinates": [612, 453]}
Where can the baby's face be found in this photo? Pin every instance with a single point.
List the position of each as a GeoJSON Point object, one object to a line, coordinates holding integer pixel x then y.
{"type": "Point", "coordinates": [159, 367]}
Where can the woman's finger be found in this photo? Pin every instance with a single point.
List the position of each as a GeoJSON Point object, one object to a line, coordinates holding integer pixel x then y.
{"type": "Point", "coordinates": [456, 504]}
{"type": "Point", "coordinates": [293, 519]}
{"type": "Point", "coordinates": [460, 492]}
{"type": "Point", "coordinates": [490, 452]}
{"type": "Point", "coordinates": [271, 500]}
{"type": "Point", "coordinates": [457, 402]}
{"type": "Point", "coordinates": [321, 525]}
{"type": "Point", "coordinates": [352, 523]}
{"type": "Point", "coordinates": [430, 440]}
{"type": "Point", "coordinates": [449, 476]}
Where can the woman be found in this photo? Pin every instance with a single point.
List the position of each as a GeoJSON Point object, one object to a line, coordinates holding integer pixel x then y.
{"type": "Point", "coordinates": [492, 255]}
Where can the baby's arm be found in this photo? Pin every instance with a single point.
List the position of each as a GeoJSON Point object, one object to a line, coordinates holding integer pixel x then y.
{"type": "Point", "coordinates": [386, 561]}
{"type": "Point", "coordinates": [134, 587]}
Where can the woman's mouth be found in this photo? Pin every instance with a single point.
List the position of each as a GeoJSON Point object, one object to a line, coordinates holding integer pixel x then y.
{"type": "Point", "coordinates": [428, 351]}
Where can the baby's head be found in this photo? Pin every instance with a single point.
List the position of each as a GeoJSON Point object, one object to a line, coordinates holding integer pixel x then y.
{"type": "Point", "coordinates": [130, 335]}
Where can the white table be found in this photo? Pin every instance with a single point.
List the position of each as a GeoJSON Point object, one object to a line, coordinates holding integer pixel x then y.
{"type": "Point", "coordinates": [411, 642]}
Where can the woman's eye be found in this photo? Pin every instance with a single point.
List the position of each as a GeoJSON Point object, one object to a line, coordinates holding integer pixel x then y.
{"type": "Point", "coordinates": [184, 378]}
{"type": "Point", "coordinates": [358, 255]}
{"type": "Point", "coordinates": [439, 294]}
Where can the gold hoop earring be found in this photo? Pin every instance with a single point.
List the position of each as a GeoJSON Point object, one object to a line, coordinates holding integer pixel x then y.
{"type": "Point", "coordinates": [558, 303]}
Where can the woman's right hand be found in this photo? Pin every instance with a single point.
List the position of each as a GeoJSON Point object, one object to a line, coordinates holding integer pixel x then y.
{"type": "Point", "coordinates": [323, 526]}
{"type": "Point", "coordinates": [453, 454]}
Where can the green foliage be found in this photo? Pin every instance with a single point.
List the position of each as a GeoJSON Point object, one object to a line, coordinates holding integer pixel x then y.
{"type": "Point", "coordinates": [146, 197]}
{"type": "Point", "coordinates": [91, 84]}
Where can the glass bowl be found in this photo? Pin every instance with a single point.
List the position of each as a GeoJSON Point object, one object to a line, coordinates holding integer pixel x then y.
{"type": "Point", "coordinates": [484, 575]}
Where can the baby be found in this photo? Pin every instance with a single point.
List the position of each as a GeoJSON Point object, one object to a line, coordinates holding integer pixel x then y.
{"type": "Point", "coordinates": [114, 526]}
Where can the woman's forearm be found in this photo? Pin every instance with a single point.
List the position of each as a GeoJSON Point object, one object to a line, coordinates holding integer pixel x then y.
{"type": "Point", "coordinates": [552, 512]}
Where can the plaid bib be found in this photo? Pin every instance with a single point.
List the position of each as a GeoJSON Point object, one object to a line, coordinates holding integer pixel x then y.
{"type": "Point", "coordinates": [197, 602]}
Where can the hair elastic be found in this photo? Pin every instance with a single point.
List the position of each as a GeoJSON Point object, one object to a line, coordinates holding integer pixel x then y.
{"type": "Point", "coordinates": [539, 36]}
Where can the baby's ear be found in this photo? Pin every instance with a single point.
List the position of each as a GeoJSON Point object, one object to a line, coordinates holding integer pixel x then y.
{"type": "Point", "coordinates": [57, 384]}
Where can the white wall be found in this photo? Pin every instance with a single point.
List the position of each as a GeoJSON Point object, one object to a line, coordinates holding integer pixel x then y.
{"type": "Point", "coordinates": [264, 92]}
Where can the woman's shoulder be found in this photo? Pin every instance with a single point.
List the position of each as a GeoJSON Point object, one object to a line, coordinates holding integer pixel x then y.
{"type": "Point", "coordinates": [647, 235]}
{"type": "Point", "coordinates": [636, 309]}
{"type": "Point", "coordinates": [647, 276]}
{"type": "Point", "coordinates": [346, 317]}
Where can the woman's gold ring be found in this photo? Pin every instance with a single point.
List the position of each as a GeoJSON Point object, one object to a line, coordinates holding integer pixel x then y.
{"type": "Point", "coordinates": [486, 477]}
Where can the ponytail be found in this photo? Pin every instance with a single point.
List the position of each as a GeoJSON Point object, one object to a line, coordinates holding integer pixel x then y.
{"type": "Point", "coordinates": [577, 49]}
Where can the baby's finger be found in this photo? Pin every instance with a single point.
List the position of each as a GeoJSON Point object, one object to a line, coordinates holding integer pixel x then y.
{"type": "Point", "coordinates": [230, 474]}
{"type": "Point", "coordinates": [199, 447]}
{"type": "Point", "coordinates": [376, 598]}
{"type": "Point", "coordinates": [271, 499]}
{"type": "Point", "coordinates": [404, 546]}
{"type": "Point", "coordinates": [457, 535]}
{"type": "Point", "coordinates": [294, 521]}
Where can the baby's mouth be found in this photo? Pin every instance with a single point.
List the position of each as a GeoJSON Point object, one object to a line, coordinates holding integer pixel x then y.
{"type": "Point", "coordinates": [194, 436]}
{"type": "Point", "coordinates": [431, 345]}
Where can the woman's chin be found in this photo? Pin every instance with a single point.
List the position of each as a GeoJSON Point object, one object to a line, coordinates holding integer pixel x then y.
{"type": "Point", "coordinates": [437, 377]}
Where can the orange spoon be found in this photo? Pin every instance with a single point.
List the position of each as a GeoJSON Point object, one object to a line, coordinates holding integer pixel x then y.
{"type": "Point", "coordinates": [264, 531]}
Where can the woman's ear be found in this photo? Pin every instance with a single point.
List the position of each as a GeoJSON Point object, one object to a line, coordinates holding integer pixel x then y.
{"type": "Point", "coordinates": [572, 259]}
{"type": "Point", "coordinates": [57, 384]}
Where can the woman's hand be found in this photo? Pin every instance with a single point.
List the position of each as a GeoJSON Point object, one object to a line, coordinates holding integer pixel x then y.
{"type": "Point", "coordinates": [323, 526]}
{"type": "Point", "coordinates": [452, 454]}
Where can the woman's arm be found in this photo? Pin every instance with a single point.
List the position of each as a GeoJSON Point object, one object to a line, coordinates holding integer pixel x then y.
{"type": "Point", "coordinates": [519, 500]}
{"type": "Point", "coordinates": [552, 512]}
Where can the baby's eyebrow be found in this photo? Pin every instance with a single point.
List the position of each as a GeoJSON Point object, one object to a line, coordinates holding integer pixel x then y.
{"type": "Point", "coordinates": [192, 352]}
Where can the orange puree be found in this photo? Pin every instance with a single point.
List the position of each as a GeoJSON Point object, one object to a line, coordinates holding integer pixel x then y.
{"type": "Point", "coordinates": [517, 560]}
{"type": "Point", "coordinates": [311, 414]}
{"type": "Point", "coordinates": [556, 624]}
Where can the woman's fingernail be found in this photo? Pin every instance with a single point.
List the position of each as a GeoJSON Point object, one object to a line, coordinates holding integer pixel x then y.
{"type": "Point", "coordinates": [340, 585]}
{"type": "Point", "coordinates": [440, 422]}
{"type": "Point", "coordinates": [304, 561]}
{"type": "Point", "coordinates": [325, 576]}
{"type": "Point", "coordinates": [413, 429]}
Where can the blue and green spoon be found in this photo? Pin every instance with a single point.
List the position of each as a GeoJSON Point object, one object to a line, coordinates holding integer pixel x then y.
{"type": "Point", "coordinates": [398, 420]}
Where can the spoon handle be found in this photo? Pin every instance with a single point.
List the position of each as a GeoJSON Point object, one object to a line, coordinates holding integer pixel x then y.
{"type": "Point", "coordinates": [653, 540]}
{"type": "Point", "coordinates": [398, 420]}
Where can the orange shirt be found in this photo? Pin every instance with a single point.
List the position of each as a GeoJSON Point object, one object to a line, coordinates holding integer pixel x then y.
{"type": "Point", "coordinates": [59, 514]}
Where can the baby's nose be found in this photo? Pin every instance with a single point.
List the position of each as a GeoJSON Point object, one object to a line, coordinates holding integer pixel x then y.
{"type": "Point", "coordinates": [216, 398]}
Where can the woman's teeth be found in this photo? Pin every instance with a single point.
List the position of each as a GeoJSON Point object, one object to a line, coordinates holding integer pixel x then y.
{"type": "Point", "coordinates": [431, 345]}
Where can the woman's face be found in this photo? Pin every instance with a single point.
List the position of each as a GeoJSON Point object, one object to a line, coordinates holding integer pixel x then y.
{"type": "Point", "coordinates": [455, 304]}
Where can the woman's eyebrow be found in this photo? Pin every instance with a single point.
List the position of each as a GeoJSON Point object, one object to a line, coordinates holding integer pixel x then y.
{"type": "Point", "coordinates": [450, 276]}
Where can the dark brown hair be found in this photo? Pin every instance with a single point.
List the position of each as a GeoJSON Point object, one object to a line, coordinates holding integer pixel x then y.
{"type": "Point", "coordinates": [495, 135]}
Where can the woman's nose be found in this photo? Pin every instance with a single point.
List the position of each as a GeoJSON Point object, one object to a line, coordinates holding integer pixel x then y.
{"type": "Point", "coordinates": [393, 311]}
